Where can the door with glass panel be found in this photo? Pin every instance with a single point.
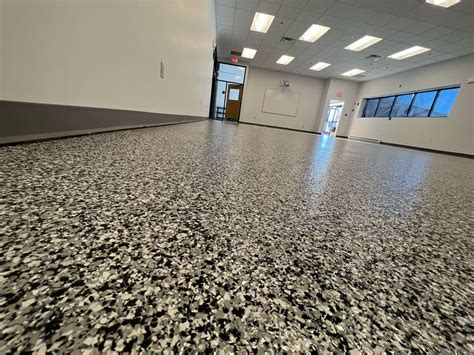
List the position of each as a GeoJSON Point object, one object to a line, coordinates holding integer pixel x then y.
{"type": "Point", "coordinates": [234, 100]}
{"type": "Point", "coordinates": [228, 83]}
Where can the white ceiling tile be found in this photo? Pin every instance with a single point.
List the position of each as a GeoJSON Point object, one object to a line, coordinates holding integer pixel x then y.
{"type": "Point", "coordinates": [400, 23]}
{"type": "Point", "coordinates": [380, 19]}
{"type": "Point", "coordinates": [296, 29]}
{"type": "Point", "coordinates": [288, 12]}
{"type": "Point", "coordinates": [243, 18]}
{"type": "Point", "coordinates": [276, 31]}
{"type": "Point", "coordinates": [418, 40]}
{"type": "Point", "coordinates": [329, 21]}
{"type": "Point", "coordinates": [400, 36]}
{"type": "Point", "coordinates": [350, 12]}
{"type": "Point", "coordinates": [456, 36]}
{"type": "Point", "coordinates": [281, 22]}
{"type": "Point", "coordinates": [283, 46]}
{"type": "Point", "coordinates": [226, 21]}
{"type": "Point", "coordinates": [381, 32]}
{"type": "Point", "coordinates": [224, 11]}
{"type": "Point", "coordinates": [346, 25]}
{"type": "Point", "coordinates": [319, 5]}
{"type": "Point", "coordinates": [256, 36]}
{"type": "Point", "coordinates": [270, 40]}
{"type": "Point", "coordinates": [419, 27]}
{"type": "Point", "coordinates": [438, 31]}
{"type": "Point", "coordinates": [300, 4]}
{"type": "Point", "coordinates": [468, 44]}
{"type": "Point", "coordinates": [268, 8]}
{"type": "Point", "coordinates": [250, 5]}
{"type": "Point", "coordinates": [308, 17]}
{"type": "Point", "coordinates": [230, 3]}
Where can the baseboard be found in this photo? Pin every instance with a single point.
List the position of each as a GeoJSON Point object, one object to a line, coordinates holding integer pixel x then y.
{"type": "Point", "coordinates": [284, 128]}
{"type": "Point", "coordinates": [338, 136]}
{"type": "Point", "coordinates": [26, 121]}
{"type": "Point", "coordinates": [363, 139]}
{"type": "Point", "coordinates": [437, 151]}
{"type": "Point", "coordinates": [463, 155]}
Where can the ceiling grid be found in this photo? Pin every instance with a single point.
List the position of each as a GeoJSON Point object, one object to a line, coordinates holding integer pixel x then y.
{"type": "Point", "coordinates": [448, 32]}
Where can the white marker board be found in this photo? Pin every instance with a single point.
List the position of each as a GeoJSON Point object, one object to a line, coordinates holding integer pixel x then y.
{"type": "Point", "coordinates": [281, 102]}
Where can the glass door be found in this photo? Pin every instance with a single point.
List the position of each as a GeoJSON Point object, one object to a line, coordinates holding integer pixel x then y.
{"type": "Point", "coordinates": [332, 117]}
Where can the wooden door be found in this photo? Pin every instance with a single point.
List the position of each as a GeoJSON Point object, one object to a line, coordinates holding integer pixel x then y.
{"type": "Point", "coordinates": [233, 101]}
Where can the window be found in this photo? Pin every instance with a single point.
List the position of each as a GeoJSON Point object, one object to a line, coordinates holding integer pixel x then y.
{"type": "Point", "coordinates": [427, 103]}
{"type": "Point", "coordinates": [232, 73]}
{"type": "Point", "coordinates": [444, 102]}
{"type": "Point", "coordinates": [371, 107]}
{"type": "Point", "coordinates": [234, 94]}
{"type": "Point", "coordinates": [422, 103]}
{"type": "Point", "coordinates": [401, 105]}
{"type": "Point", "coordinates": [385, 105]}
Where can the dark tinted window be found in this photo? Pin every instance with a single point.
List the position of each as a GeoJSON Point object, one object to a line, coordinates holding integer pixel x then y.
{"type": "Point", "coordinates": [444, 102]}
{"type": "Point", "coordinates": [401, 105]}
{"type": "Point", "coordinates": [385, 105]}
{"type": "Point", "coordinates": [434, 103]}
{"type": "Point", "coordinates": [422, 104]}
{"type": "Point", "coordinates": [370, 107]}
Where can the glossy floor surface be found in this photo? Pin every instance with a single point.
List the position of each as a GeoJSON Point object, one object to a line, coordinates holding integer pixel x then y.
{"type": "Point", "coordinates": [210, 236]}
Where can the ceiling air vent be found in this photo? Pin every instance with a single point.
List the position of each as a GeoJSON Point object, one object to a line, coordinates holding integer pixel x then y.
{"type": "Point", "coordinates": [236, 53]}
{"type": "Point", "coordinates": [287, 40]}
{"type": "Point", "coordinates": [374, 57]}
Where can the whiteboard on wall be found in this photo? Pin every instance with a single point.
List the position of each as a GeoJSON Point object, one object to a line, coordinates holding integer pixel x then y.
{"type": "Point", "coordinates": [281, 102]}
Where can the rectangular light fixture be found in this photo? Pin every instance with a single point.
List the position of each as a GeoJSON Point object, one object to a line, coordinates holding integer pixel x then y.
{"type": "Point", "coordinates": [313, 33]}
{"type": "Point", "coordinates": [410, 52]}
{"type": "Point", "coordinates": [363, 43]}
{"type": "Point", "coordinates": [249, 53]}
{"type": "Point", "coordinates": [320, 66]}
{"type": "Point", "coordinates": [285, 59]}
{"type": "Point", "coordinates": [353, 72]}
{"type": "Point", "coordinates": [261, 22]}
{"type": "Point", "coordinates": [443, 3]}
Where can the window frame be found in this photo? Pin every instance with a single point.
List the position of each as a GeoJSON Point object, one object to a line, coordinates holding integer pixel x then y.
{"type": "Point", "coordinates": [431, 106]}
{"type": "Point", "coordinates": [414, 94]}
{"type": "Point", "coordinates": [376, 107]}
{"type": "Point", "coordinates": [437, 96]}
{"type": "Point", "coordinates": [391, 106]}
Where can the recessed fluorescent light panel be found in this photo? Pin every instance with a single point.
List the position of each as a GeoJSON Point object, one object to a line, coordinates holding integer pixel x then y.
{"type": "Point", "coordinates": [249, 53]}
{"type": "Point", "coordinates": [313, 33]}
{"type": "Point", "coordinates": [410, 52]}
{"type": "Point", "coordinates": [353, 72]}
{"type": "Point", "coordinates": [443, 3]}
{"type": "Point", "coordinates": [363, 43]}
{"type": "Point", "coordinates": [320, 66]}
{"type": "Point", "coordinates": [261, 22]}
{"type": "Point", "coordinates": [285, 59]}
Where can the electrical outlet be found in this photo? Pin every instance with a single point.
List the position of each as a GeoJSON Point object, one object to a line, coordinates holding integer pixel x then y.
{"type": "Point", "coordinates": [162, 70]}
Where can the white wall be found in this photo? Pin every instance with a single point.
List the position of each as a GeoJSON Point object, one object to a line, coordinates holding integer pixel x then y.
{"type": "Point", "coordinates": [311, 93]}
{"type": "Point", "coordinates": [454, 133]}
{"type": "Point", "coordinates": [341, 90]}
{"type": "Point", "coordinates": [103, 53]}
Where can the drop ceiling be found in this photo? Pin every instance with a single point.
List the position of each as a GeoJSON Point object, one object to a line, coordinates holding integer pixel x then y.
{"type": "Point", "coordinates": [448, 32]}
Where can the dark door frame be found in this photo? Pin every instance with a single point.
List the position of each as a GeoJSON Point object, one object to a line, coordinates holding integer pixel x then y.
{"type": "Point", "coordinates": [214, 85]}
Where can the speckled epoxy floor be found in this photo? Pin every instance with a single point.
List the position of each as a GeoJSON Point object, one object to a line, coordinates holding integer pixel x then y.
{"type": "Point", "coordinates": [210, 236]}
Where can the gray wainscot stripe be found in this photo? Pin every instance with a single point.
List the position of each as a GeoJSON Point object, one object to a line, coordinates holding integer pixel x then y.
{"type": "Point", "coordinates": [26, 121]}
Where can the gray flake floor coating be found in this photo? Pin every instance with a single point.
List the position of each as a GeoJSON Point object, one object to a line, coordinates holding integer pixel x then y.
{"type": "Point", "coordinates": [211, 236]}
